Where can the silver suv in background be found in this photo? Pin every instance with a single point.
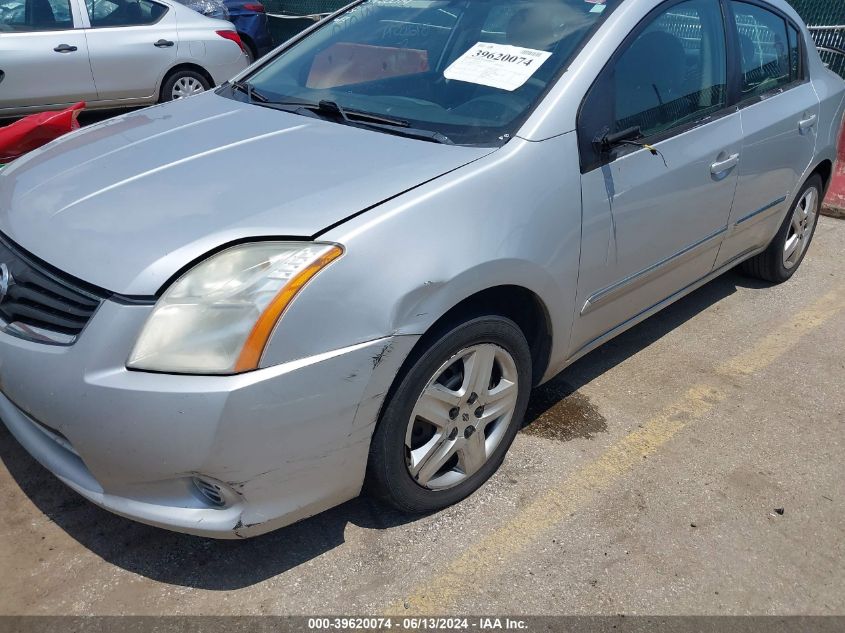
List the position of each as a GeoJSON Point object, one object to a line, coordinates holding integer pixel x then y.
{"type": "Point", "coordinates": [443, 204]}
{"type": "Point", "coordinates": [109, 53]}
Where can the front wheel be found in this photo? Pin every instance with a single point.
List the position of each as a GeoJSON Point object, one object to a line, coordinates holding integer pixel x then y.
{"type": "Point", "coordinates": [787, 250]}
{"type": "Point", "coordinates": [453, 416]}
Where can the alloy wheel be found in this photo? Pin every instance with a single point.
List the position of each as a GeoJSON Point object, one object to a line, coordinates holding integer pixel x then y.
{"type": "Point", "coordinates": [461, 416]}
{"type": "Point", "coordinates": [804, 219]}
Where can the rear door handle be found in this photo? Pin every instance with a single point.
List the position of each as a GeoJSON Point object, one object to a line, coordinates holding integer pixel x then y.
{"type": "Point", "coordinates": [806, 124]}
{"type": "Point", "coordinates": [163, 43]}
{"type": "Point", "coordinates": [721, 166]}
{"type": "Point", "coordinates": [64, 48]}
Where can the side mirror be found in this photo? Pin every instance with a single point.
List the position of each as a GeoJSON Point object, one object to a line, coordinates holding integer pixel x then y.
{"type": "Point", "coordinates": [607, 141]}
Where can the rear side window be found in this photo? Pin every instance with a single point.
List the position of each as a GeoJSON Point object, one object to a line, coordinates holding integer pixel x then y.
{"type": "Point", "coordinates": [770, 54]}
{"type": "Point", "coordinates": [105, 13]}
{"type": "Point", "coordinates": [24, 16]}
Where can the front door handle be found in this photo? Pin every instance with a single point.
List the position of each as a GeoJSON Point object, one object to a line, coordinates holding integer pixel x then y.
{"type": "Point", "coordinates": [163, 43]}
{"type": "Point", "coordinates": [64, 48]}
{"type": "Point", "coordinates": [806, 124]}
{"type": "Point", "coordinates": [721, 166]}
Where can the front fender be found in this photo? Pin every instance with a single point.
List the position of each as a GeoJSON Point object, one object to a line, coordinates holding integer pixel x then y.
{"type": "Point", "coordinates": [417, 310]}
{"type": "Point", "coordinates": [510, 218]}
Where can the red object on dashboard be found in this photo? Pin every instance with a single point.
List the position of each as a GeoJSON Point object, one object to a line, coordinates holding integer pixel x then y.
{"type": "Point", "coordinates": [345, 63]}
{"type": "Point", "coordinates": [35, 130]}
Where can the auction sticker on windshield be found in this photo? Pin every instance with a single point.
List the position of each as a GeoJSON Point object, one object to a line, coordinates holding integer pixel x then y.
{"type": "Point", "coordinates": [497, 65]}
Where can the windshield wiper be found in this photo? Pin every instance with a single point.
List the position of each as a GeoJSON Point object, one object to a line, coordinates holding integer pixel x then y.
{"type": "Point", "coordinates": [332, 107]}
{"type": "Point", "coordinates": [251, 93]}
{"type": "Point", "coordinates": [372, 120]}
{"type": "Point", "coordinates": [409, 132]}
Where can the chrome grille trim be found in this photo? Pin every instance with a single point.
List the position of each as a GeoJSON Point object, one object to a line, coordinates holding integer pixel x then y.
{"type": "Point", "coordinates": [41, 304]}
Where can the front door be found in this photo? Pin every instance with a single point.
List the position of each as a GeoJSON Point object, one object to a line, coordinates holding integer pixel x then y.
{"type": "Point", "coordinates": [44, 59]}
{"type": "Point", "coordinates": [655, 216]}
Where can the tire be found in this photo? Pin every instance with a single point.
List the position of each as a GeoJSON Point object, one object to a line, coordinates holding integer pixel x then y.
{"type": "Point", "coordinates": [186, 78]}
{"type": "Point", "coordinates": [251, 51]}
{"type": "Point", "coordinates": [458, 348]}
{"type": "Point", "coordinates": [773, 264]}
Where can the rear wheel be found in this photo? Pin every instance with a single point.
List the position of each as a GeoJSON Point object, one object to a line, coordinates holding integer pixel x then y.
{"type": "Point", "coordinates": [787, 250]}
{"type": "Point", "coordinates": [251, 51]}
{"type": "Point", "coordinates": [182, 84]}
{"type": "Point", "coordinates": [453, 416]}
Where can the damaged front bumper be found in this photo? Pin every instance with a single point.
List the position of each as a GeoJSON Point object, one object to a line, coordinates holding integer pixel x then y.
{"type": "Point", "coordinates": [280, 443]}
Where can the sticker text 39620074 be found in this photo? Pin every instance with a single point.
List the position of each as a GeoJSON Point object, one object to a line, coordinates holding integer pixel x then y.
{"type": "Point", "coordinates": [497, 65]}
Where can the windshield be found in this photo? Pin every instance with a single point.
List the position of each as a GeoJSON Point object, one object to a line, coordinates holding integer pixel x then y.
{"type": "Point", "coordinates": [469, 70]}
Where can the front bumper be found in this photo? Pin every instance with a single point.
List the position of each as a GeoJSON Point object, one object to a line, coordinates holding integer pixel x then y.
{"type": "Point", "coordinates": [285, 442]}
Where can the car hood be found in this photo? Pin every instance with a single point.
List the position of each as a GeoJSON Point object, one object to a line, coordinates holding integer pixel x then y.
{"type": "Point", "coordinates": [128, 202]}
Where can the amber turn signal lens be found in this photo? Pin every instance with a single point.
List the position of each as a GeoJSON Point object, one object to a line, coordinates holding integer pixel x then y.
{"type": "Point", "coordinates": [257, 340]}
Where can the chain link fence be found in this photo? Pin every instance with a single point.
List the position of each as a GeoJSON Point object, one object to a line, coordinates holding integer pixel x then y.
{"type": "Point", "coordinates": [289, 17]}
{"type": "Point", "coordinates": [830, 41]}
{"type": "Point", "coordinates": [826, 19]}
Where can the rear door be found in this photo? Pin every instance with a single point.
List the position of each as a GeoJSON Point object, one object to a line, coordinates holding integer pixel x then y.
{"type": "Point", "coordinates": [779, 110]}
{"type": "Point", "coordinates": [43, 54]}
{"type": "Point", "coordinates": [653, 221]}
{"type": "Point", "coordinates": [131, 43]}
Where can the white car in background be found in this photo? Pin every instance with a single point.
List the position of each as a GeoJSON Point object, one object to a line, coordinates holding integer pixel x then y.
{"type": "Point", "coordinates": [109, 53]}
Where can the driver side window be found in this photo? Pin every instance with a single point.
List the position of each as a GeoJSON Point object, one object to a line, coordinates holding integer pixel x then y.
{"type": "Point", "coordinates": [669, 74]}
{"type": "Point", "coordinates": [675, 70]}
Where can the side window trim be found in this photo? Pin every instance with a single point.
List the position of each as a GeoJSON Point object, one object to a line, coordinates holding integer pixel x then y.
{"type": "Point", "coordinates": [624, 150]}
{"type": "Point", "coordinates": [84, 21]}
{"type": "Point", "coordinates": [734, 29]}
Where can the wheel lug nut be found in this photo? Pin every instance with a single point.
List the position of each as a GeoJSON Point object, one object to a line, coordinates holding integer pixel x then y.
{"type": "Point", "coordinates": [469, 431]}
{"type": "Point", "coordinates": [472, 398]}
{"type": "Point", "coordinates": [453, 434]}
{"type": "Point", "coordinates": [479, 412]}
{"type": "Point", "coordinates": [453, 413]}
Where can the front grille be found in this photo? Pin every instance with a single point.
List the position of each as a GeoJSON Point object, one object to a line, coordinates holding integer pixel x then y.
{"type": "Point", "coordinates": [39, 301]}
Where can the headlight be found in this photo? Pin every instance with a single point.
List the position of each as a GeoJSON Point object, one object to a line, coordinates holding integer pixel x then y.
{"type": "Point", "coordinates": [218, 317]}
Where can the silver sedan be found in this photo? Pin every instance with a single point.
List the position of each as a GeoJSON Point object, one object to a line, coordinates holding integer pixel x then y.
{"type": "Point", "coordinates": [443, 203]}
{"type": "Point", "coordinates": [109, 53]}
